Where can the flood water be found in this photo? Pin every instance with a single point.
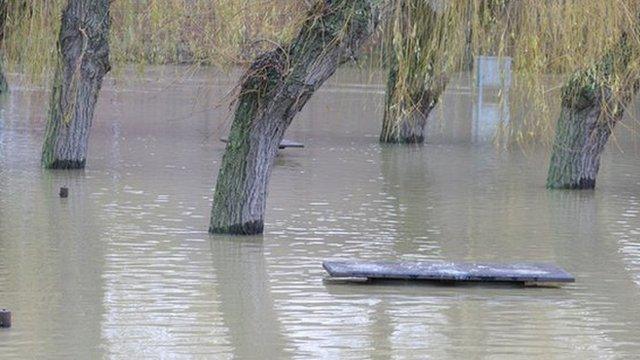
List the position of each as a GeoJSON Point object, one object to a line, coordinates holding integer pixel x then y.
{"type": "Point", "coordinates": [124, 267]}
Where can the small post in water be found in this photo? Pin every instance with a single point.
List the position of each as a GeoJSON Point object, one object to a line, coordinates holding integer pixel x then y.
{"type": "Point", "coordinates": [5, 318]}
{"type": "Point", "coordinates": [64, 192]}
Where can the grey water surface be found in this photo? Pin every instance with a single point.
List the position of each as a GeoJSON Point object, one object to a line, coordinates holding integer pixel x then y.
{"type": "Point", "coordinates": [124, 268]}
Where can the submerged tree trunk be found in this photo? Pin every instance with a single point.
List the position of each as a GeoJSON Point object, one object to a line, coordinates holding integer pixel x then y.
{"type": "Point", "coordinates": [593, 102]}
{"type": "Point", "coordinates": [404, 121]}
{"type": "Point", "coordinates": [580, 139]}
{"type": "Point", "coordinates": [273, 90]}
{"type": "Point", "coordinates": [83, 60]}
{"type": "Point", "coordinates": [414, 85]}
{"type": "Point", "coordinates": [4, 85]}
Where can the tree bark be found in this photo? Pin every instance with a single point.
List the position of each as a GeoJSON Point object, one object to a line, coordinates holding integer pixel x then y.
{"type": "Point", "coordinates": [83, 60]}
{"type": "Point", "coordinates": [414, 85]}
{"type": "Point", "coordinates": [273, 90]}
{"type": "Point", "coordinates": [4, 85]}
{"type": "Point", "coordinates": [593, 101]}
{"type": "Point", "coordinates": [580, 139]}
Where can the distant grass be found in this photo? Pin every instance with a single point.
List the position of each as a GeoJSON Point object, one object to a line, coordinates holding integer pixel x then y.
{"type": "Point", "coordinates": [200, 31]}
{"type": "Point", "coordinates": [220, 33]}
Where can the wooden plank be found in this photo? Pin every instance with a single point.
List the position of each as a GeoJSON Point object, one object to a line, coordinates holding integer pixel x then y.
{"type": "Point", "coordinates": [285, 143]}
{"type": "Point", "coordinates": [532, 274]}
{"type": "Point", "coordinates": [337, 280]}
{"type": "Point", "coordinates": [548, 284]}
{"type": "Point", "coordinates": [290, 144]}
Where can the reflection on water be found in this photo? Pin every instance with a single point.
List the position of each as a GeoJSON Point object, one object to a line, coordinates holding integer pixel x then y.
{"type": "Point", "coordinates": [124, 267]}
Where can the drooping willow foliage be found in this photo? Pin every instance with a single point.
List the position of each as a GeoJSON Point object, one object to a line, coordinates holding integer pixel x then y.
{"type": "Point", "coordinates": [30, 35]}
{"type": "Point", "coordinates": [547, 40]}
{"type": "Point", "coordinates": [558, 38]}
{"type": "Point", "coordinates": [423, 43]}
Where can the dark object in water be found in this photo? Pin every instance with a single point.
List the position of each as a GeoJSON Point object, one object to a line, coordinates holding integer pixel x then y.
{"type": "Point", "coordinates": [5, 318]}
{"type": "Point", "coordinates": [530, 274]}
{"type": "Point", "coordinates": [64, 192]}
{"type": "Point", "coordinates": [283, 144]}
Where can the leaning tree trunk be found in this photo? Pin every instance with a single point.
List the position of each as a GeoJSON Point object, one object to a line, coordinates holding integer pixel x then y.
{"type": "Point", "coordinates": [414, 85]}
{"type": "Point", "coordinates": [83, 60]}
{"type": "Point", "coordinates": [593, 102]}
{"type": "Point", "coordinates": [4, 86]}
{"type": "Point", "coordinates": [273, 91]}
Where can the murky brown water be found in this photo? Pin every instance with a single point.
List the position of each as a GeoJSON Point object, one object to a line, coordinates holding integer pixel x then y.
{"type": "Point", "coordinates": [124, 267]}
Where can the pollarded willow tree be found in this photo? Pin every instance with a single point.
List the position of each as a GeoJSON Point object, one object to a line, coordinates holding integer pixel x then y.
{"type": "Point", "coordinates": [425, 42]}
{"type": "Point", "coordinates": [83, 60]}
{"type": "Point", "coordinates": [557, 37]}
{"type": "Point", "coordinates": [273, 90]}
{"type": "Point", "coordinates": [593, 102]}
{"type": "Point", "coordinates": [415, 39]}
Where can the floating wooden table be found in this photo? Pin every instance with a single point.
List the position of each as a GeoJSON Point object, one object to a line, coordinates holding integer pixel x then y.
{"type": "Point", "coordinates": [529, 274]}
{"type": "Point", "coordinates": [283, 144]}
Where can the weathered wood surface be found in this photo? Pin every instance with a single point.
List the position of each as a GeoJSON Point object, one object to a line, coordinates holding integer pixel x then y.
{"type": "Point", "coordinates": [283, 144]}
{"type": "Point", "coordinates": [530, 273]}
